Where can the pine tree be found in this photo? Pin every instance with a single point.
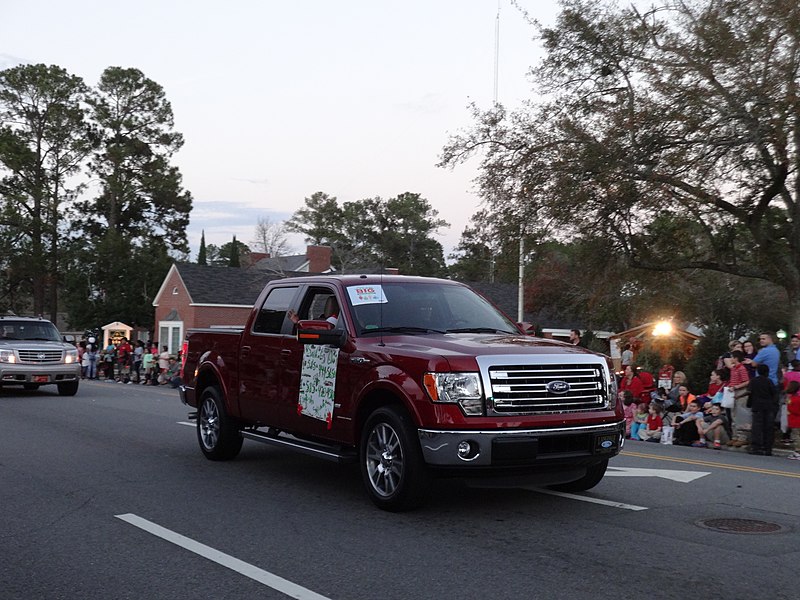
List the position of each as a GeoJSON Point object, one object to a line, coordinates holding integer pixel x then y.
{"type": "Point", "coordinates": [201, 255]}
{"type": "Point", "coordinates": [234, 256]}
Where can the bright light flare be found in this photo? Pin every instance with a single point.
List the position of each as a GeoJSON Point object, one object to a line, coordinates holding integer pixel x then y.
{"type": "Point", "coordinates": [662, 328]}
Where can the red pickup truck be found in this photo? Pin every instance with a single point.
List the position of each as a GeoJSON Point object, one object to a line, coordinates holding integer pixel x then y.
{"type": "Point", "coordinates": [411, 377]}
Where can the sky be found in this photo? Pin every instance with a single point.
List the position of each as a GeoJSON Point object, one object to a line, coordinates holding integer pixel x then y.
{"type": "Point", "coordinates": [278, 100]}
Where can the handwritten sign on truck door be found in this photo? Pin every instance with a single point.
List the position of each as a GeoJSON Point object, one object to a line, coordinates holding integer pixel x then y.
{"type": "Point", "coordinates": [318, 382]}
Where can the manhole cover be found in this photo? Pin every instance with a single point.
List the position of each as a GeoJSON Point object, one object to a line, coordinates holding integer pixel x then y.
{"type": "Point", "coordinates": [740, 526]}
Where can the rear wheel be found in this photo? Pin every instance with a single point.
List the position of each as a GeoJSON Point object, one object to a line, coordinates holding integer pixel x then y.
{"type": "Point", "coordinates": [593, 476]}
{"type": "Point", "coordinates": [392, 467]}
{"type": "Point", "coordinates": [217, 433]}
{"type": "Point", "coordinates": [69, 388]}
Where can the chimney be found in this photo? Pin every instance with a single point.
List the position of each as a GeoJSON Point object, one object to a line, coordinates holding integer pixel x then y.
{"type": "Point", "coordinates": [319, 258]}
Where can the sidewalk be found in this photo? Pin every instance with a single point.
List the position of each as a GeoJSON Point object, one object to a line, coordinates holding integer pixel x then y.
{"type": "Point", "coordinates": [779, 450]}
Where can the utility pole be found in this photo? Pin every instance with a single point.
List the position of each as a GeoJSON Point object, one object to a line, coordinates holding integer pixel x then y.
{"type": "Point", "coordinates": [520, 298]}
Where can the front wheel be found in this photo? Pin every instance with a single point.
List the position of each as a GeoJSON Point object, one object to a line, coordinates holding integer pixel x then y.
{"type": "Point", "coordinates": [217, 433]}
{"type": "Point", "coordinates": [392, 467]}
{"type": "Point", "coordinates": [70, 388]}
{"type": "Point", "coordinates": [593, 476]}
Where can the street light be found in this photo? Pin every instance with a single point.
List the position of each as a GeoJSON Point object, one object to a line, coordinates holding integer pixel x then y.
{"type": "Point", "coordinates": [781, 334]}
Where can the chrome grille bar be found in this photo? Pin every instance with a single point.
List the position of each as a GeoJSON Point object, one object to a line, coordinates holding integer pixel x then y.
{"type": "Point", "coordinates": [40, 357]}
{"type": "Point", "coordinates": [525, 389]}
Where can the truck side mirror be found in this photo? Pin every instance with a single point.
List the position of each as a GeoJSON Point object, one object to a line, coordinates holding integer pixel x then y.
{"type": "Point", "coordinates": [320, 333]}
{"type": "Point", "coordinates": [70, 339]}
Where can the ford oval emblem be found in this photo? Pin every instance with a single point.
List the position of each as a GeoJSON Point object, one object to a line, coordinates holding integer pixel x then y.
{"type": "Point", "coordinates": [558, 387]}
{"type": "Point", "coordinates": [607, 444]}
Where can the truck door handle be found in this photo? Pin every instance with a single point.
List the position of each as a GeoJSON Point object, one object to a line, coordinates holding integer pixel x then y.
{"type": "Point", "coordinates": [244, 350]}
{"type": "Point", "coordinates": [285, 353]}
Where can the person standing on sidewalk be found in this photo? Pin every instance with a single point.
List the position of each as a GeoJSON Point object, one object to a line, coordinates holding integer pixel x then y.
{"type": "Point", "coordinates": [742, 417]}
{"type": "Point", "coordinates": [769, 355]}
{"type": "Point", "coordinates": [763, 402]}
{"type": "Point", "coordinates": [793, 410]}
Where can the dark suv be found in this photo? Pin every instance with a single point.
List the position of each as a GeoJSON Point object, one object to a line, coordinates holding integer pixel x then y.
{"type": "Point", "coordinates": [33, 353]}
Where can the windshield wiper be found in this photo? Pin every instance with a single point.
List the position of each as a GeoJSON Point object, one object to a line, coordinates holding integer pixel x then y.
{"type": "Point", "coordinates": [402, 330]}
{"type": "Point", "coordinates": [40, 339]}
{"type": "Point", "coordinates": [476, 330]}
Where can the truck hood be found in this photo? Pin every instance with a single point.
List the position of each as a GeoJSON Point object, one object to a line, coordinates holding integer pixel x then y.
{"type": "Point", "coordinates": [471, 344]}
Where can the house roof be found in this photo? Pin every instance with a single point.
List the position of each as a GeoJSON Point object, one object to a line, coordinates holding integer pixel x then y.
{"type": "Point", "coordinates": [282, 264]}
{"type": "Point", "coordinates": [223, 285]}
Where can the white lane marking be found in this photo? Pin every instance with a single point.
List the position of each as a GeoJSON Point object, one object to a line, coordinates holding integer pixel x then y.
{"type": "Point", "coordinates": [186, 423]}
{"type": "Point", "coordinates": [587, 499]}
{"type": "Point", "coordinates": [679, 476]}
{"type": "Point", "coordinates": [265, 577]}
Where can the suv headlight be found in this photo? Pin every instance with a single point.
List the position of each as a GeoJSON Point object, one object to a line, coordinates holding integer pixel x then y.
{"type": "Point", "coordinates": [71, 356]}
{"type": "Point", "coordinates": [7, 356]}
{"type": "Point", "coordinates": [464, 389]}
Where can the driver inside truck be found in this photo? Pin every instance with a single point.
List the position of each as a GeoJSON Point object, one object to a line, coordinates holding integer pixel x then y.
{"type": "Point", "coordinates": [331, 311]}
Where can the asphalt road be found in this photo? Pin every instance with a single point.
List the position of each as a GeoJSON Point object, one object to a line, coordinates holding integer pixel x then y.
{"type": "Point", "coordinates": [106, 495]}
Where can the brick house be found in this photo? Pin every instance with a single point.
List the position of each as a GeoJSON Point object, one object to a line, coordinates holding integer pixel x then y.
{"type": "Point", "coordinates": [194, 295]}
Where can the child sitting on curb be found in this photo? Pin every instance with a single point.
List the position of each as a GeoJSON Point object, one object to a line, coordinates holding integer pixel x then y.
{"type": "Point", "coordinates": [712, 428]}
{"type": "Point", "coordinates": [685, 426]}
{"type": "Point", "coordinates": [652, 430]}
{"type": "Point", "coordinates": [639, 421]}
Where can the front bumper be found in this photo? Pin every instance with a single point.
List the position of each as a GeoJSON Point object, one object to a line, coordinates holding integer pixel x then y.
{"type": "Point", "coordinates": [522, 447]}
{"type": "Point", "coordinates": [17, 373]}
{"type": "Point", "coordinates": [182, 390]}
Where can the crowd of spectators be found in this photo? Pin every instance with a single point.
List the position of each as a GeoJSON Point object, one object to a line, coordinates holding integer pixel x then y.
{"type": "Point", "coordinates": [141, 363]}
{"type": "Point", "coordinates": [751, 401]}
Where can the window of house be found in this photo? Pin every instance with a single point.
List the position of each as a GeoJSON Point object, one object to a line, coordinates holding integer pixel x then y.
{"type": "Point", "coordinates": [170, 334]}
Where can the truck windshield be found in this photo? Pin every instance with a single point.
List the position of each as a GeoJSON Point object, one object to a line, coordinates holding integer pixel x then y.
{"type": "Point", "coordinates": [29, 330]}
{"type": "Point", "coordinates": [423, 308]}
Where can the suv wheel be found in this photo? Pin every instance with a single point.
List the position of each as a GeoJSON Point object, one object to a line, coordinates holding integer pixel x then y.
{"type": "Point", "coordinates": [70, 388]}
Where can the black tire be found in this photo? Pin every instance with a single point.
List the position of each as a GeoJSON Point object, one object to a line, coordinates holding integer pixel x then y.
{"type": "Point", "coordinates": [394, 472]}
{"type": "Point", "coordinates": [30, 387]}
{"type": "Point", "coordinates": [217, 433]}
{"type": "Point", "coordinates": [593, 476]}
{"type": "Point", "coordinates": [69, 388]}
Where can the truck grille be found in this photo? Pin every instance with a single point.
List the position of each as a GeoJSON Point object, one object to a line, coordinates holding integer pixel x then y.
{"type": "Point", "coordinates": [40, 357]}
{"type": "Point", "coordinates": [525, 389]}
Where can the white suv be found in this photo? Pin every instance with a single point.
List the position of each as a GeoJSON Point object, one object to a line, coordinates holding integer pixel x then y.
{"type": "Point", "coordinates": [33, 353]}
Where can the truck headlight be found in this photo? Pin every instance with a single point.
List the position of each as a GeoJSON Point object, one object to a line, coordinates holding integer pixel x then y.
{"type": "Point", "coordinates": [464, 389]}
{"type": "Point", "coordinates": [71, 356]}
{"type": "Point", "coordinates": [613, 390]}
{"type": "Point", "coordinates": [7, 356]}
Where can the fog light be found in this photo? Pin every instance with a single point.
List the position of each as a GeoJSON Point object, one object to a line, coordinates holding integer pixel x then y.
{"type": "Point", "coordinates": [468, 450]}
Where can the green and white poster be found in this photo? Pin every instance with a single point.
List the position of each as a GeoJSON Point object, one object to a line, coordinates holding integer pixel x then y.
{"type": "Point", "coordinates": [318, 382]}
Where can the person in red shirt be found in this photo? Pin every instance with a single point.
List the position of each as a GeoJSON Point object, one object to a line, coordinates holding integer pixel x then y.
{"type": "Point", "coordinates": [717, 380]}
{"type": "Point", "coordinates": [742, 417]}
{"type": "Point", "coordinates": [124, 352]}
{"type": "Point", "coordinates": [652, 431]}
{"type": "Point", "coordinates": [648, 384]}
{"type": "Point", "coordinates": [631, 381]}
{"type": "Point", "coordinates": [793, 413]}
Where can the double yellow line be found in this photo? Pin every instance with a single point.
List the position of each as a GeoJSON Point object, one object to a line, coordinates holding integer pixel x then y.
{"type": "Point", "coordinates": [706, 463]}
